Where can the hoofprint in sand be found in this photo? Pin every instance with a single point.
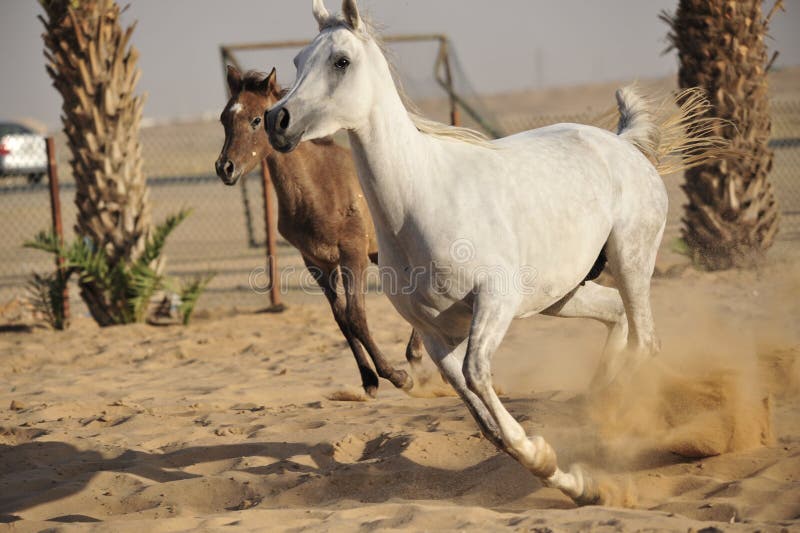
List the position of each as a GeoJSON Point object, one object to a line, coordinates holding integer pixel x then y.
{"type": "Point", "coordinates": [238, 420]}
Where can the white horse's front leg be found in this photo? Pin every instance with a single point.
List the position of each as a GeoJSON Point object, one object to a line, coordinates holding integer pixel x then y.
{"type": "Point", "coordinates": [448, 359]}
{"type": "Point", "coordinates": [492, 315]}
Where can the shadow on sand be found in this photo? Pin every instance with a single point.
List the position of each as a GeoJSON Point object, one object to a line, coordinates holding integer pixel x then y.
{"type": "Point", "coordinates": [37, 473]}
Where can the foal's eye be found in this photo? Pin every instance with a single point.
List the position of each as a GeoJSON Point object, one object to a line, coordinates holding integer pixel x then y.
{"type": "Point", "coordinates": [256, 122]}
{"type": "Point", "coordinates": [342, 63]}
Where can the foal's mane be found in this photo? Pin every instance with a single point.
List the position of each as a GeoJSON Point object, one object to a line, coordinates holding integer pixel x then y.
{"type": "Point", "coordinates": [366, 31]}
{"type": "Point", "coordinates": [252, 79]}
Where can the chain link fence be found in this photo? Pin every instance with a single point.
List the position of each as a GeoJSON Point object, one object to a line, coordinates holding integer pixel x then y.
{"type": "Point", "coordinates": [785, 175]}
{"type": "Point", "coordinates": [225, 233]}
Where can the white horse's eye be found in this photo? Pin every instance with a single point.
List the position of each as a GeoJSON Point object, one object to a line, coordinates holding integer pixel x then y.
{"type": "Point", "coordinates": [342, 63]}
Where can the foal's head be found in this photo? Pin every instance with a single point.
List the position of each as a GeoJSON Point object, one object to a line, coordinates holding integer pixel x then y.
{"type": "Point", "coordinates": [339, 76]}
{"type": "Point", "coordinates": [245, 143]}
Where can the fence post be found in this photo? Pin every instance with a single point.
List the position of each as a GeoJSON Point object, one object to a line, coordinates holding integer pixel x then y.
{"type": "Point", "coordinates": [55, 213]}
{"type": "Point", "coordinates": [455, 119]}
{"type": "Point", "coordinates": [272, 257]}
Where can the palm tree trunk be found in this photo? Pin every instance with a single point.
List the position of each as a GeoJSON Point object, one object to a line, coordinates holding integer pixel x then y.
{"type": "Point", "coordinates": [732, 216]}
{"type": "Point", "coordinates": [94, 69]}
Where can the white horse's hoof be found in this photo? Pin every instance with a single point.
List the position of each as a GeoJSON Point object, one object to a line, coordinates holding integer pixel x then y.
{"type": "Point", "coordinates": [577, 484]}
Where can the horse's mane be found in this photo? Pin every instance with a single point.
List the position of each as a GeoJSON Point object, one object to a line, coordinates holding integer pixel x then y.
{"type": "Point", "coordinates": [424, 125]}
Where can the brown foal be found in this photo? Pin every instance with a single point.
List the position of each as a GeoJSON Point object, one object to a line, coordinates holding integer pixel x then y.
{"type": "Point", "coordinates": [321, 212]}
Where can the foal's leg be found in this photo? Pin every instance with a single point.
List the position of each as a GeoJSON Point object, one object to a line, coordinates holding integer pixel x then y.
{"type": "Point", "coordinates": [353, 265]}
{"type": "Point", "coordinates": [414, 357]}
{"type": "Point", "coordinates": [414, 349]}
{"type": "Point", "coordinates": [327, 280]}
{"type": "Point", "coordinates": [605, 305]}
{"type": "Point", "coordinates": [492, 315]}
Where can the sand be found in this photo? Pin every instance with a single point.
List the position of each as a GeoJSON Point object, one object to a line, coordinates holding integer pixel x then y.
{"type": "Point", "coordinates": [248, 421]}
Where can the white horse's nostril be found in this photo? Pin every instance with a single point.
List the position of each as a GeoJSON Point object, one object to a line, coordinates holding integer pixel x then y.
{"type": "Point", "coordinates": [283, 119]}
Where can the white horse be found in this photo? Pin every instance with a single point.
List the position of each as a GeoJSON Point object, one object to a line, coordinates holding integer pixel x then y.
{"type": "Point", "coordinates": [488, 231]}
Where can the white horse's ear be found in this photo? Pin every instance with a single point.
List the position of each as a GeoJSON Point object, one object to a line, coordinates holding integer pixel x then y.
{"type": "Point", "coordinates": [350, 12]}
{"type": "Point", "coordinates": [320, 13]}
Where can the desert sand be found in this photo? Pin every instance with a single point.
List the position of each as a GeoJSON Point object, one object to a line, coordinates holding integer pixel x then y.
{"type": "Point", "coordinates": [254, 421]}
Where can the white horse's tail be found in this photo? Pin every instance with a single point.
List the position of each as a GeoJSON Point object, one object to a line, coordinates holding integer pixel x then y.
{"type": "Point", "coordinates": [637, 125]}
{"type": "Point", "coordinates": [678, 135]}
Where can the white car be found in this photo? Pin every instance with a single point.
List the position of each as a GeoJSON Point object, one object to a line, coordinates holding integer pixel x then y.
{"type": "Point", "coordinates": [22, 152]}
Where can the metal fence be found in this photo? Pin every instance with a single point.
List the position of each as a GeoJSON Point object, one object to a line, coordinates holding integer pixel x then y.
{"type": "Point", "coordinates": [785, 174]}
{"type": "Point", "coordinates": [225, 233]}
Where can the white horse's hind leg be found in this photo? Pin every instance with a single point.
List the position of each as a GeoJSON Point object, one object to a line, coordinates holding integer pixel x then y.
{"type": "Point", "coordinates": [631, 252]}
{"type": "Point", "coordinates": [599, 303]}
{"type": "Point", "coordinates": [491, 318]}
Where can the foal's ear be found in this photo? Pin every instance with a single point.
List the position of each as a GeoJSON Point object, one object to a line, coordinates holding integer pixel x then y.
{"type": "Point", "coordinates": [350, 12]}
{"type": "Point", "coordinates": [234, 80]}
{"type": "Point", "coordinates": [320, 13]}
{"type": "Point", "coordinates": [269, 83]}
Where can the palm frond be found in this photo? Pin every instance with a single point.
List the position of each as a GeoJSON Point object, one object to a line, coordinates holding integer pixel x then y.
{"type": "Point", "coordinates": [190, 293]}
{"type": "Point", "coordinates": [158, 238]}
{"type": "Point", "coordinates": [143, 282]}
{"type": "Point", "coordinates": [46, 241]}
{"type": "Point", "coordinates": [91, 264]}
{"type": "Point", "coordinates": [46, 295]}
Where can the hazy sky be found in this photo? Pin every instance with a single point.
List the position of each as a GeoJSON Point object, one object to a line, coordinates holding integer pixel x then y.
{"type": "Point", "coordinates": [502, 45]}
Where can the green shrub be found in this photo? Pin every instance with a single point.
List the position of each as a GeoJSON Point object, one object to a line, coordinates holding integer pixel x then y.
{"type": "Point", "coordinates": [129, 286]}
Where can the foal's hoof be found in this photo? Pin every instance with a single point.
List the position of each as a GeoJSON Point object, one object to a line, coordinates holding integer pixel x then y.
{"type": "Point", "coordinates": [371, 391]}
{"type": "Point", "coordinates": [402, 380]}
